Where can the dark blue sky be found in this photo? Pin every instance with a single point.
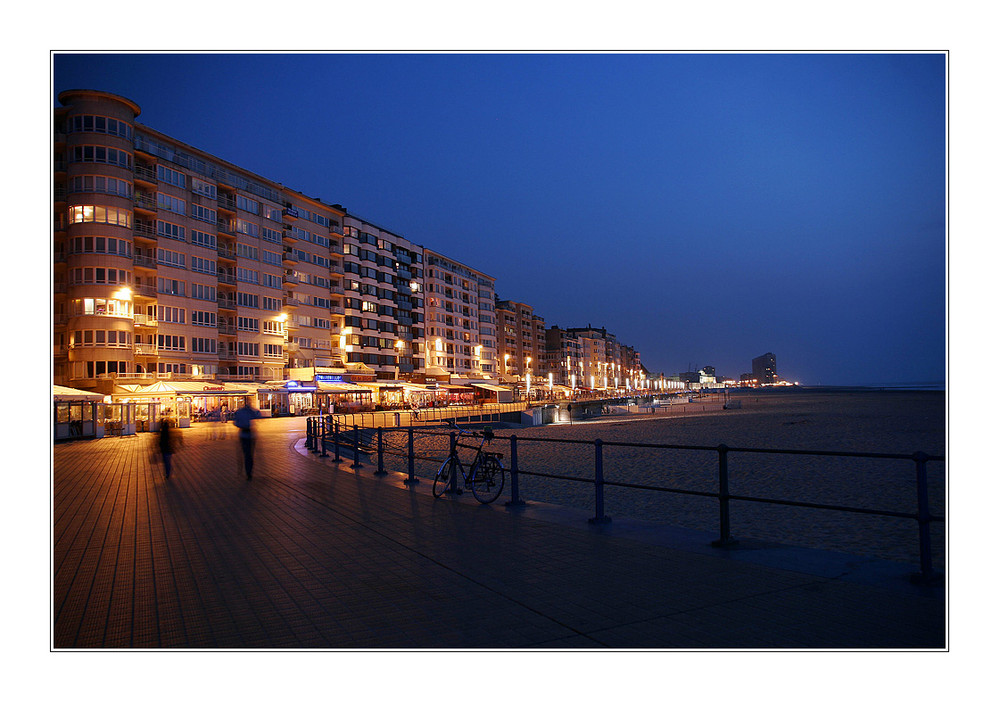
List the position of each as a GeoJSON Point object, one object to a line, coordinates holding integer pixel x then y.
{"type": "Point", "coordinates": [704, 208]}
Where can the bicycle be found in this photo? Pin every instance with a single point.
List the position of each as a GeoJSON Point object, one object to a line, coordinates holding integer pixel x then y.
{"type": "Point", "coordinates": [485, 474]}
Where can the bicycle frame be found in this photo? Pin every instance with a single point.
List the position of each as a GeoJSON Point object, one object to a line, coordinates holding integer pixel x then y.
{"type": "Point", "coordinates": [487, 487]}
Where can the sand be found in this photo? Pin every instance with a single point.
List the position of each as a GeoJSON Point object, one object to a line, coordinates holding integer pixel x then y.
{"type": "Point", "coordinates": [879, 422]}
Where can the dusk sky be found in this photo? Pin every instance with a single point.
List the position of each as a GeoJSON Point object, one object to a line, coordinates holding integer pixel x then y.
{"type": "Point", "coordinates": [704, 208]}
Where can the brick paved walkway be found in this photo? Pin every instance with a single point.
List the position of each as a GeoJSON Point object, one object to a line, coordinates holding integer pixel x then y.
{"type": "Point", "coordinates": [311, 556]}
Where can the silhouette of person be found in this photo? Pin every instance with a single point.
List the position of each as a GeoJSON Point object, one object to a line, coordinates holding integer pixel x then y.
{"type": "Point", "coordinates": [168, 443]}
{"type": "Point", "coordinates": [243, 419]}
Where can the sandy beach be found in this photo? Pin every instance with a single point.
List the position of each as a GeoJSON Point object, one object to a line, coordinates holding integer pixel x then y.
{"type": "Point", "coordinates": [892, 422]}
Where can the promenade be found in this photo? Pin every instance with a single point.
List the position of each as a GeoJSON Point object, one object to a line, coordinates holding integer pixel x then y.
{"type": "Point", "coordinates": [310, 554]}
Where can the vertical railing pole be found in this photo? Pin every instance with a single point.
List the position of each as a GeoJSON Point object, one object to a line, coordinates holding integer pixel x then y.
{"type": "Point", "coordinates": [725, 538]}
{"type": "Point", "coordinates": [453, 488]}
{"type": "Point", "coordinates": [923, 519]}
{"type": "Point", "coordinates": [322, 420]}
{"type": "Point", "coordinates": [357, 461]}
{"type": "Point", "coordinates": [309, 435]}
{"type": "Point", "coordinates": [380, 471]}
{"type": "Point", "coordinates": [599, 517]}
{"type": "Point", "coordinates": [336, 441]}
{"type": "Point", "coordinates": [515, 493]}
{"type": "Point", "coordinates": [410, 479]}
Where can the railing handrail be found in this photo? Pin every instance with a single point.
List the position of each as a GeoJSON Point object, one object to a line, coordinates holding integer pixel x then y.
{"type": "Point", "coordinates": [923, 515]}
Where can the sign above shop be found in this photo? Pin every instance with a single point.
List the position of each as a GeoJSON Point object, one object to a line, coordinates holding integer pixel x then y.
{"type": "Point", "coordinates": [330, 378]}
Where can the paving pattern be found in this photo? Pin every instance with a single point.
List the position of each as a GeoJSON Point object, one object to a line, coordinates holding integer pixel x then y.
{"type": "Point", "coordinates": [313, 555]}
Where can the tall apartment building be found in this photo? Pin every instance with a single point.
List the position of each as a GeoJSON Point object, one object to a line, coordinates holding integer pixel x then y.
{"type": "Point", "coordinates": [171, 263]}
{"type": "Point", "coordinates": [381, 319]}
{"type": "Point", "coordinates": [563, 357]}
{"type": "Point", "coordinates": [764, 369]}
{"type": "Point", "coordinates": [461, 337]}
{"type": "Point", "coordinates": [520, 339]}
{"type": "Point", "coordinates": [606, 363]}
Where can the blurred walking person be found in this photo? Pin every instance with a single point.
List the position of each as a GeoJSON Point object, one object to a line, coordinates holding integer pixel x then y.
{"type": "Point", "coordinates": [243, 419]}
{"type": "Point", "coordinates": [169, 440]}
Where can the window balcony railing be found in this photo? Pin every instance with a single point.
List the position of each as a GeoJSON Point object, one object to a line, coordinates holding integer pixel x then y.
{"type": "Point", "coordinates": [143, 320]}
{"type": "Point", "coordinates": [146, 201]}
{"type": "Point", "coordinates": [227, 303]}
{"type": "Point", "coordinates": [145, 173]}
{"type": "Point", "coordinates": [144, 261]}
{"type": "Point", "coordinates": [226, 278]}
{"type": "Point", "coordinates": [146, 349]}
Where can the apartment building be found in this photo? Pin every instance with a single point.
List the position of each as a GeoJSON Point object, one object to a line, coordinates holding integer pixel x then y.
{"type": "Point", "coordinates": [520, 339]}
{"type": "Point", "coordinates": [171, 263]}
{"type": "Point", "coordinates": [458, 318]}
{"type": "Point", "coordinates": [563, 357]}
{"type": "Point", "coordinates": [606, 363]}
{"type": "Point", "coordinates": [381, 317]}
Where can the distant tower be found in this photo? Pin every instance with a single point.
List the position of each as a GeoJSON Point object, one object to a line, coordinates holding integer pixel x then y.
{"type": "Point", "coordinates": [765, 368]}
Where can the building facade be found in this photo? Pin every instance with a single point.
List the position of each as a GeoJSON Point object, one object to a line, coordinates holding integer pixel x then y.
{"type": "Point", "coordinates": [520, 340]}
{"type": "Point", "coordinates": [461, 336]}
{"type": "Point", "coordinates": [764, 368]}
{"type": "Point", "coordinates": [169, 263]}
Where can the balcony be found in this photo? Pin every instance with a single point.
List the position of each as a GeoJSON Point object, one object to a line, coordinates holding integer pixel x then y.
{"type": "Point", "coordinates": [227, 303]}
{"type": "Point", "coordinates": [141, 320]}
{"type": "Point", "coordinates": [143, 261]}
{"type": "Point", "coordinates": [227, 328]}
{"type": "Point", "coordinates": [144, 229]}
{"type": "Point", "coordinates": [227, 354]}
{"type": "Point", "coordinates": [146, 174]}
{"type": "Point", "coordinates": [146, 350]}
{"type": "Point", "coordinates": [291, 279]}
{"type": "Point", "coordinates": [226, 252]}
{"type": "Point", "coordinates": [144, 202]}
{"type": "Point", "coordinates": [226, 279]}
{"type": "Point", "coordinates": [290, 213]}
{"type": "Point", "coordinates": [290, 302]}
{"type": "Point", "coordinates": [226, 202]}
{"type": "Point", "coordinates": [144, 290]}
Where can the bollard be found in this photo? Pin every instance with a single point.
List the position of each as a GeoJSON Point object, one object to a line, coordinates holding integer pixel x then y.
{"type": "Point", "coordinates": [410, 479]}
{"type": "Point", "coordinates": [725, 539]}
{"type": "Point", "coordinates": [515, 495]}
{"type": "Point", "coordinates": [380, 471]}
{"type": "Point", "coordinates": [357, 461]}
{"type": "Point", "coordinates": [923, 521]}
{"type": "Point", "coordinates": [599, 517]}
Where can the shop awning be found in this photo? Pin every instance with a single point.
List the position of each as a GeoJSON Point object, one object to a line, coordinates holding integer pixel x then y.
{"type": "Point", "coordinates": [166, 388]}
{"type": "Point", "coordinates": [63, 393]}
{"type": "Point", "coordinates": [327, 387]}
{"type": "Point", "coordinates": [490, 387]}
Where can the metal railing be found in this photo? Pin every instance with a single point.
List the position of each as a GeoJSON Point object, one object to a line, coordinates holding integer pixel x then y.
{"type": "Point", "coordinates": [326, 429]}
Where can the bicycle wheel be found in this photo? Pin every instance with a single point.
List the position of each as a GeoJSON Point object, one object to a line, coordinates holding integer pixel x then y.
{"type": "Point", "coordinates": [487, 484]}
{"type": "Point", "coordinates": [443, 478]}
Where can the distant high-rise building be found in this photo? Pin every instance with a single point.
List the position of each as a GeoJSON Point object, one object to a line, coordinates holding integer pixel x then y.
{"type": "Point", "coordinates": [765, 368]}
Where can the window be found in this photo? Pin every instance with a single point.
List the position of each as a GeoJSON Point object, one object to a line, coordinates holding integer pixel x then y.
{"type": "Point", "coordinates": [204, 318]}
{"type": "Point", "coordinates": [246, 300]}
{"type": "Point", "coordinates": [270, 257]}
{"type": "Point", "coordinates": [100, 184]}
{"type": "Point", "coordinates": [247, 252]}
{"type": "Point", "coordinates": [166, 313]}
{"type": "Point", "coordinates": [203, 345]}
{"type": "Point", "coordinates": [100, 155]}
{"type": "Point", "coordinates": [99, 124]}
{"type": "Point", "coordinates": [271, 235]}
{"type": "Point", "coordinates": [244, 203]}
{"type": "Point", "coordinates": [170, 258]}
{"type": "Point", "coordinates": [169, 229]}
{"type": "Point", "coordinates": [270, 303]}
{"type": "Point", "coordinates": [100, 214]}
{"type": "Point", "coordinates": [246, 227]}
{"type": "Point", "coordinates": [169, 286]}
{"type": "Point", "coordinates": [200, 212]}
{"type": "Point", "coordinates": [248, 349]}
{"type": "Point", "coordinates": [168, 202]}
{"type": "Point", "coordinates": [203, 292]}
{"type": "Point", "coordinates": [271, 281]}
{"type": "Point", "coordinates": [203, 239]}
{"type": "Point", "coordinates": [248, 324]}
{"type": "Point", "coordinates": [170, 342]}
{"type": "Point", "coordinates": [247, 275]}
{"type": "Point", "coordinates": [169, 176]}
{"type": "Point", "coordinates": [273, 327]}
{"type": "Point", "coordinates": [203, 265]}
{"type": "Point", "coordinates": [273, 351]}
{"type": "Point", "coordinates": [204, 188]}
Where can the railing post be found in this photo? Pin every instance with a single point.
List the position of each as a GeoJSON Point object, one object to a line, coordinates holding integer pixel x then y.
{"type": "Point", "coordinates": [410, 479]}
{"type": "Point", "coordinates": [309, 436]}
{"type": "Point", "coordinates": [357, 461]}
{"type": "Point", "coordinates": [515, 494]}
{"type": "Point", "coordinates": [453, 488]}
{"type": "Point", "coordinates": [725, 538]}
{"type": "Point", "coordinates": [599, 517]}
{"type": "Point", "coordinates": [380, 471]}
{"type": "Point", "coordinates": [322, 421]}
{"type": "Point", "coordinates": [923, 521]}
{"type": "Point", "coordinates": [336, 441]}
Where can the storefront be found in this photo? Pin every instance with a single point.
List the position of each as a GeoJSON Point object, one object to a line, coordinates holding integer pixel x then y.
{"type": "Point", "coordinates": [489, 393]}
{"type": "Point", "coordinates": [336, 396]}
{"type": "Point", "coordinates": [184, 401]}
{"type": "Point", "coordinates": [278, 398]}
{"type": "Point", "coordinates": [75, 413]}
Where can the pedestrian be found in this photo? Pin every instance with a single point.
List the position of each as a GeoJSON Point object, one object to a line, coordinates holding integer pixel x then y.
{"type": "Point", "coordinates": [243, 419]}
{"type": "Point", "coordinates": [169, 439]}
